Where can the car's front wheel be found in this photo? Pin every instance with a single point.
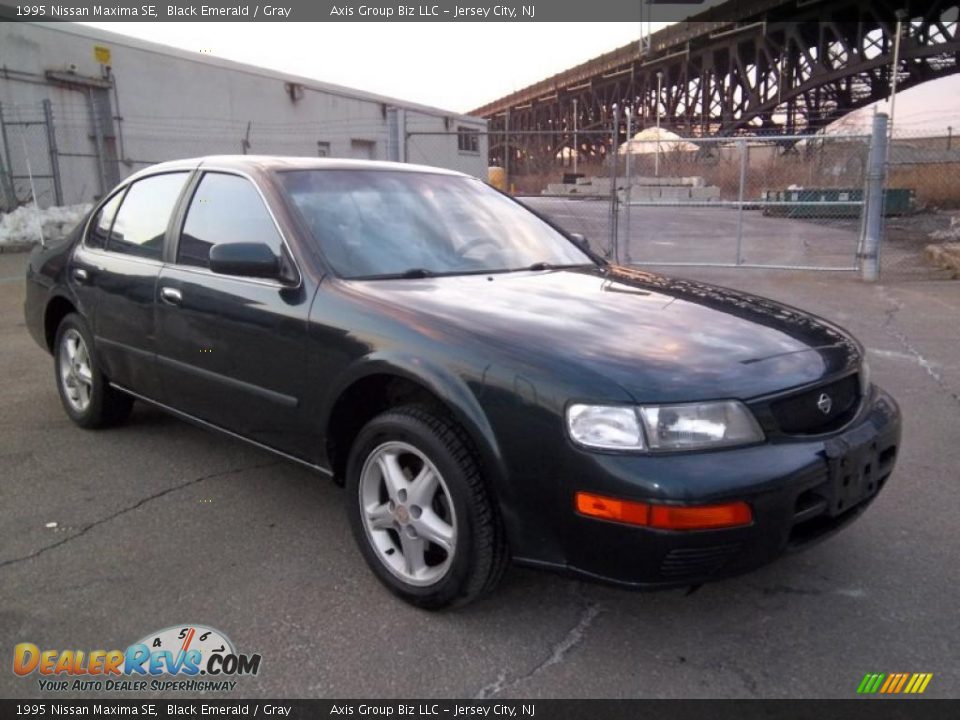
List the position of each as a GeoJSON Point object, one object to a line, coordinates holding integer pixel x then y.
{"type": "Point", "coordinates": [420, 509]}
{"type": "Point", "coordinates": [84, 391]}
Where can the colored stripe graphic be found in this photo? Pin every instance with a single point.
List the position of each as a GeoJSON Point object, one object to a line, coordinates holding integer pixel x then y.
{"type": "Point", "coordinates": [870, 683]}
{"type": "Point", "coordinates": [894, 683]}
{"type": "Point", "coordinates": [891, 681]}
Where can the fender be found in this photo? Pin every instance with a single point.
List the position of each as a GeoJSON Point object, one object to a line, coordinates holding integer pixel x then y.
{"type": "Point", "coordinates": [46, 277]}
{"type": "Point", "coordinates": [454, 393]}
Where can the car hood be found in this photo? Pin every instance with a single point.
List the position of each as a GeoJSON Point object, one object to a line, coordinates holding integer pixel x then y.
{"type": "Point", "coordinates": [660, 339]}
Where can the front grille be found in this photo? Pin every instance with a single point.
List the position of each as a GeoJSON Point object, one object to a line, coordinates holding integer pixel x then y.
{"type": "Point", "coordinates": [803, 413]}
{"type": "Point", "coordinates": [696, 562]}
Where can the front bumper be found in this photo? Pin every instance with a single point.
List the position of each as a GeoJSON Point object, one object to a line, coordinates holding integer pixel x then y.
{"type": "Point", "coordinates": [800, 490]}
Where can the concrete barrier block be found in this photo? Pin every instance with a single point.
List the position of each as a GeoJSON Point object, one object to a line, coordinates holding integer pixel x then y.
{"type": "Point", "coordinates": [675, 193]}
{"type": "Point", "coordinates": [645, 194]}
{"type": "Point", "coordinates": [711, 192]}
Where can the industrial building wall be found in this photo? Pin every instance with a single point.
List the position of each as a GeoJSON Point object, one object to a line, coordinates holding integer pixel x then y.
{"type": "Point", "coordinates": [119, 104]}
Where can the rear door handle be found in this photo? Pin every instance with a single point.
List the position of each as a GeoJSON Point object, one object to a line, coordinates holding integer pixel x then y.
{"type": "Point", "coordinates": [171, 295]}
{"type": "Point", "coordinates": [80, 275]}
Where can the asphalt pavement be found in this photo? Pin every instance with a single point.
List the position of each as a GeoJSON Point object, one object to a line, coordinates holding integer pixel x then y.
{"type": "Point", "coordinates": [159, 523]}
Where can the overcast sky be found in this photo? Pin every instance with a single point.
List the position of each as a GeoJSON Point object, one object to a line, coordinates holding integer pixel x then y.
{"type": "Point", "coordinates": [457, 66]}
{"type": "Point", "coordinates": [454, 66]}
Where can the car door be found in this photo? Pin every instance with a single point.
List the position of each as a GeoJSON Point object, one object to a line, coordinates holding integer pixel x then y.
{"type": "Point", "coordinates": [231, 350]}
{"type": "Point", "coordinates": [115, 270]}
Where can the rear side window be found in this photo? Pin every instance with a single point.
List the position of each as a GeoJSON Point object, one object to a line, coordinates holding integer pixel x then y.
{"type": "Point", "coordinates": [100, 227]}
{"type": "Point", "coordinates": [142, 219]}
{"type": "Point", "coordinates": [225, 209]}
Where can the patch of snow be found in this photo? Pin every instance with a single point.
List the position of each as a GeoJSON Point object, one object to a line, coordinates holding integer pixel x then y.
{"type": "Point", "coordinates": [22, 226]}
{"type": "Point", "coordinates": [952, 233]}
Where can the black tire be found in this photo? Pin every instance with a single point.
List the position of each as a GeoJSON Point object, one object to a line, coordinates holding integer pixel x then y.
{"type": "Point", "coordinates": [480, 554]}
{"type": "Point", "coordinates": [106, 406]}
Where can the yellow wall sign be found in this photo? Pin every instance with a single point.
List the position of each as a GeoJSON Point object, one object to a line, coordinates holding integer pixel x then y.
{"type": "Point", "coordinates": [101, 54]}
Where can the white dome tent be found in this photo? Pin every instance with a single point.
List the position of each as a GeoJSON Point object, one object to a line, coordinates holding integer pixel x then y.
{"type": "Point", "coordinates": [647, 142]}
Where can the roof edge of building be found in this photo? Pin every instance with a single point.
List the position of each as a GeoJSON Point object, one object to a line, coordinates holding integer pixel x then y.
{"type": "Point", "coordinates": [96, 33]}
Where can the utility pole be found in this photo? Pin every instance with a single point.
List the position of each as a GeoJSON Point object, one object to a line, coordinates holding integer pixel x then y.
{"type": "Point", "coordinates": [873, 210]}
{"type": "Point", "coordinates": [656, 161]}
{"type": "Point", "coordinates": [893, 69]}
{"type": "Point", "coordinates": [627, 173]}
{"type": "Point", "coordinates": [506, 149]}
{"type": "Point", "coordinates": [614, 146]}
{"type": "Point", "coordinates": [576, 145]}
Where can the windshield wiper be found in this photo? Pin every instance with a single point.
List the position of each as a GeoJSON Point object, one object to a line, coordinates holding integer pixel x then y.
{"type": "Point", "coordinates": [550, 266]}
{"type": "Point", "coordinates": [416, 273]}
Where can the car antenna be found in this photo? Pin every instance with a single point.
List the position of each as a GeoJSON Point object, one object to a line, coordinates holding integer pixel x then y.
{"type": "Point", "coordinates": [33, 191]}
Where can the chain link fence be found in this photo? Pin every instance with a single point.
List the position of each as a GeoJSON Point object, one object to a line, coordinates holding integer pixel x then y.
{"type": "Point", "coordinates": [779, 202]}
{"type": "Point", "coordinates": [661, 200]}
{"type": "Point", "coordinates": [927, 166]}
{"type": "Point", "coordinates": [29, 163]}
{"type": "Point", "coordinates": [655, 199]}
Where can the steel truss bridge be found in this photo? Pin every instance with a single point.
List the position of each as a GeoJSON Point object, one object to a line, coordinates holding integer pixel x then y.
{"type": "Point", "coordinates": [786, 67]}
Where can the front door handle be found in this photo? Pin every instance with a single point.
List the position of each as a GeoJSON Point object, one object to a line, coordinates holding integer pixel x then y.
{"type": "Point", "coordinates": [171, 295]}
{"type": "Point", "coordinates": [80, 275]}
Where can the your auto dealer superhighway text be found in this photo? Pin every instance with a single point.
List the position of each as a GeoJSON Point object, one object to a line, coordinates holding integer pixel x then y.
{"type": "Point", "coordinates": [498, 710]}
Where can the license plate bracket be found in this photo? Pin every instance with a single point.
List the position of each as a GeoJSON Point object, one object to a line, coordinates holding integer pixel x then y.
{"type": "Point", "coordinates": [852, 461]}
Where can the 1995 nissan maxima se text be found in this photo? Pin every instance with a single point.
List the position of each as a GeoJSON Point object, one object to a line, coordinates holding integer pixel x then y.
{"type": "Point", "coordinates": [483, 385]}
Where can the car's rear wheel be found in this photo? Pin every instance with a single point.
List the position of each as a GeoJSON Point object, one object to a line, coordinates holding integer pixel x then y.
{"type": "Point", "coordinates": [84, 391]}
{"type": "Point", "coordinates": [420, 509]}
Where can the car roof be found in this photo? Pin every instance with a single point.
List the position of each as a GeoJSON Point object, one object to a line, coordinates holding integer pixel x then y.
{"type": "Point", "coordinates": [247, 163]}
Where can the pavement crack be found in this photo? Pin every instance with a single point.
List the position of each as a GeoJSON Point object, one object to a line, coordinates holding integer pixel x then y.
{"type": "Point", "coordinates": [558, 654]}
{"type": "Point", "coordinates": [928, 367]}
{"type": "Point", "coordinates": [130, 508]}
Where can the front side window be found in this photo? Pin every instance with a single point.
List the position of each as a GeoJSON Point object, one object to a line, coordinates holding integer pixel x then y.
{"type": "Point", "coordinates": [377, 223]}
{"type": "Point", "coordinates": [225, 209]}
{"type": "Point", "coordinates": [100, 227]}
{"type": "Point", "coordinates": [141, 222]}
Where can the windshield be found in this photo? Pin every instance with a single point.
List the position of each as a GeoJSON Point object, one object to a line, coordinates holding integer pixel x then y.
{"type": "Point", "coordinates": [375, 223]}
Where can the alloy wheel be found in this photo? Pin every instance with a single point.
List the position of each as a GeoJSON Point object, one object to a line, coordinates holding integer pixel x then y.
{"type": "Point", "coordinates": [407, 513]}
{"type": "Point", "coordinates": [76, 374]}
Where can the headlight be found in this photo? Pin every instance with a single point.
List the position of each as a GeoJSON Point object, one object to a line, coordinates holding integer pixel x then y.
{"type": "Point", "coordinates": [692, 426]}
{"type": "Point", "coordinates": [699, 425]}
{"type": "Point", "coordinates": [606, 427]}
{"type": "Point", "coordinates": [864, 378]}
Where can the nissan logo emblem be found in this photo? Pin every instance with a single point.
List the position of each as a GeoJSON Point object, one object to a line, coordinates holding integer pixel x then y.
{"type": "Point", "coordinates": [824, 403]}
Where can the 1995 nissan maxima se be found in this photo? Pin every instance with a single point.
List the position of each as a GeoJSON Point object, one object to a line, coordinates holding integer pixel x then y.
{"type": "Point", "coordinates": [484, 387]}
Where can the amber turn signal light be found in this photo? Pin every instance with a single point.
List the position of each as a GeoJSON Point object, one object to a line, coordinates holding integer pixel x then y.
{"type": "Point", "coordinates": [664, 517]}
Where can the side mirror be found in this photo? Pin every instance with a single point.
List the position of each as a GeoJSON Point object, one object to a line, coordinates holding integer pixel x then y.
{"type": "Point", "coordinates": [245, 259]}
{"type": "Point", "coordinates": [580, 240]}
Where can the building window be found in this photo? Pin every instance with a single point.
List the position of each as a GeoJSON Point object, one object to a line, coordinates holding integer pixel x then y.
{"type": "Point", "coordinates": [323, 149]}
{"type": "Point", "coordinates": [468, 140]}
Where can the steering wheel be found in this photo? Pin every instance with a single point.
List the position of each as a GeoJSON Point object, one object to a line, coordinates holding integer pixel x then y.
{"type": "Point", "coordinates": [476, 242]}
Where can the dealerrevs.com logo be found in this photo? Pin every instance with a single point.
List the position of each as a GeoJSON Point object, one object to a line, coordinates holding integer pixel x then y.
{"type": "Point", "coordinates": [190, 657]}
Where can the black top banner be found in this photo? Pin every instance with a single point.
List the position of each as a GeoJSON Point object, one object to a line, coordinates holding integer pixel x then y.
{"type": "Point", "coordinates": [865, 709]}
{"type": "Point", "coordinates": [706, 11]}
